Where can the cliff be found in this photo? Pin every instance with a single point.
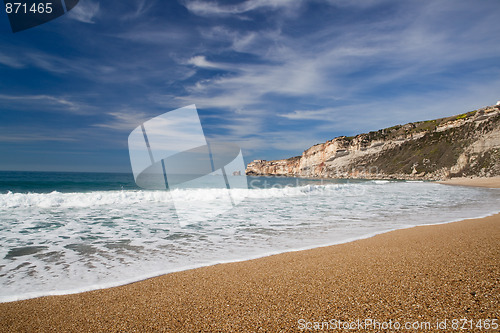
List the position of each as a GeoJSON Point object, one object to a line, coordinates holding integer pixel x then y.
{"type": "Point", "coordinates": [458, 146]}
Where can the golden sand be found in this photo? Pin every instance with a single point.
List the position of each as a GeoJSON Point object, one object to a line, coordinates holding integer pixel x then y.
{"type": "Point", "coordinates": [423, 274]}
{"type": "Point", "coordinates": [493, 182]}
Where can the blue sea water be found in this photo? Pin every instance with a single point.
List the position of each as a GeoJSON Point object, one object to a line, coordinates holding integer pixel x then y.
{"type": "Point", "coordinates": [64, 182]}
{"type": "Point", "coordinates": [69, 232]}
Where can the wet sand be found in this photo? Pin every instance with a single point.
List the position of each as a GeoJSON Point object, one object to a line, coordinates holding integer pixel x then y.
{"type": "Point", "coordinates": [422, 274]}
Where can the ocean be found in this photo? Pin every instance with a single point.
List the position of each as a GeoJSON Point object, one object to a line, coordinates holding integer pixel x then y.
{"type": "Point", "coordinates": [64, 233]}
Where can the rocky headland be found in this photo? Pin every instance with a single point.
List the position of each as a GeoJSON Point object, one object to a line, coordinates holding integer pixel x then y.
{"type": "Point", "coordinates": [465, 145]}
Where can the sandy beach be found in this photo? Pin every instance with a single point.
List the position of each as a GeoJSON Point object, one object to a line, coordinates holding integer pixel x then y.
{"type": "Point", "coordinates": [493, 182]}
{"type": "Point", "coordinates": [426, 276]}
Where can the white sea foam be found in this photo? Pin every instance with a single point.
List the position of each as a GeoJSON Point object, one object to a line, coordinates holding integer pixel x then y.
{"type": "Point", "coordinates": [57, 243]}
{"type": "Point", "coordinates": [106, 198]}
{"type": "Point", "coordinates": [381, 181]}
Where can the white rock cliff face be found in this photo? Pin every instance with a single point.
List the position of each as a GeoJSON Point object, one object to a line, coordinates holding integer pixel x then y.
{"type": "Point", "coordinates": [464, 145]}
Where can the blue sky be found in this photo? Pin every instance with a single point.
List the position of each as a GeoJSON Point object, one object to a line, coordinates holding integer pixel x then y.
{"type": "Point", "coordinates": [274, 76]}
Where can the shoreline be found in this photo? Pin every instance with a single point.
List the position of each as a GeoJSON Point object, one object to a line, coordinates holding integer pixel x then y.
{"type": "Point", "coordinates": [252, 287]}
{"type": "Point", "coordinates": [447, 271]}
{"type": "Point", "coordinates": [124, 282]}
{"type": "Point", "coordinates": [159, 274]}
{"type": "Point", "coordinates": [492, 182]}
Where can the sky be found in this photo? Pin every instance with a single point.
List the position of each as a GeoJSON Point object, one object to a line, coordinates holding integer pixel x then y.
{"type": "Point", "coordinates": [273, 76]}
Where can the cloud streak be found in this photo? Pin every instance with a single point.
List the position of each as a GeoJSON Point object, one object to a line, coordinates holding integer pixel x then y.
{"type": "Point", "coordinates": [10, 61]}
{"type": "Point", "coordinates": [85, 12]}
{"type": "Point", "coordinates": [41, 102]}
{"type": "Point", "coordinates": [212, 8]}
{"type": "Point", "coordinates": [124, 120]}
{"type": "Point", "coordinates": [399, 48]}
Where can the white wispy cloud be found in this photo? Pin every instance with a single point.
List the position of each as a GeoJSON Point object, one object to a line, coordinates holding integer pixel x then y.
{"type": "Point", "coordinates": [201, 61]}
{"type": "Point", "coordinates": [23, 57]}
{"type": "Point", "coordinates": [320, 114]}
{"type": "Point", "coordinates": [10, 61]}
{"type": "Point", "coordinates": [156, 36]}
{"type": "Point", "coordinates": [212, 8]}
{"type": "Point", "coordinates": [128, 66]}
{"type": "Point", "coordinates": [85, 12]}
{"type": "Point", "coordinates": [124, 120]}
{"type": "Point", "coordinates": [320, 66]}
{"type": "Point", "coordinates": [142, 7]}
{"type": "Point", "coordinates": [372, 115]}
{"type": "Point", "coordinates": [41, 102]}
{"type": "Point", "coordinates": [32, 137]}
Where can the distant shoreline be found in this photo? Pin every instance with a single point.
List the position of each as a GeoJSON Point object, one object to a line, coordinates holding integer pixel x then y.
{"type": "Point", "coordinates": [492, 182]}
